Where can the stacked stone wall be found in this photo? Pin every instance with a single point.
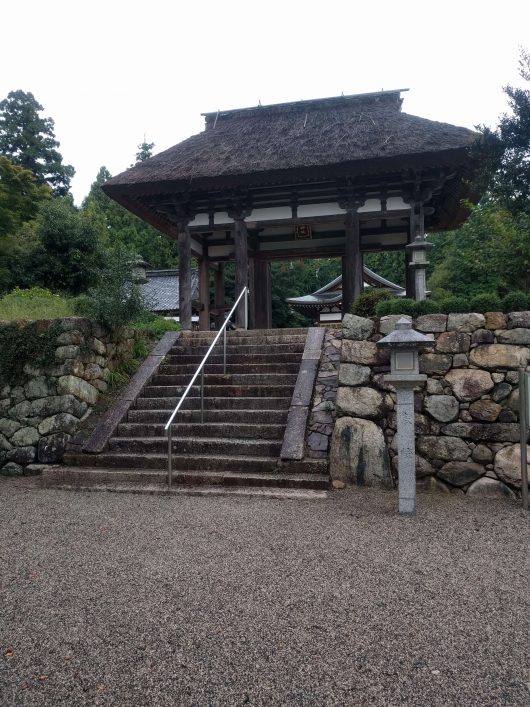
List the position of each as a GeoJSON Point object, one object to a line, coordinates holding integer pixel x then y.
{"type": "Point", "coordinates": [41, 411]}
{"type": "Point", "coordinates": [466, 416]}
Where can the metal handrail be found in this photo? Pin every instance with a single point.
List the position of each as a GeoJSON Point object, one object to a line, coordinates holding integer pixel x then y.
{"type": "Point", "coordinates": [200, 369]}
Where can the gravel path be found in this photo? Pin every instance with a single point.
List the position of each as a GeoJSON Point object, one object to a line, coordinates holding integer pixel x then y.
{"type": "Point", "coordinates": [114, 599]}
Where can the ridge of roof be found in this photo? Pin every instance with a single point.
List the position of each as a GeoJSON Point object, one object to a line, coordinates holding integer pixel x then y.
{"type": "Point", "coordinates": [306, 103]}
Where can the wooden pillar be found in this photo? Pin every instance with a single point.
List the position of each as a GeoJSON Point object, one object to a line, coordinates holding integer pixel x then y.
{"type": "Point", "coordinates": [204, 293]}
{"type": "Point", "coordinates": [252, 294]}
{"type": "Point", "coordinates": [184, 243]}
{"type": "Point", "coordinates": [262, 294]}
{"type": "Point", "coordinates": [410, 283]}
{"type": "Point", "coordinates": [241, 260]}
{"type": "Point", "coordinates": [352, 263]}
{"type": "Point", "coordinates": [219, 295]}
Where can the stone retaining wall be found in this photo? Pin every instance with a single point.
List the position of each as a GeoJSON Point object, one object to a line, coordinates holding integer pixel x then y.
{"type": "Point", "coordinates": [467, 429]}
{"type": "Point", "coordinates": [40, 412]}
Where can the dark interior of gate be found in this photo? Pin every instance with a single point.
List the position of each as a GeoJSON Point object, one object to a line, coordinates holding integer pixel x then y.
{"type": "Point", "coordinates": [333, 177]}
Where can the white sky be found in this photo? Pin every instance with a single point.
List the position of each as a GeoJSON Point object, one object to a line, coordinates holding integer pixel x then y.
{"type": "Point", "coordinates": [108, 71]}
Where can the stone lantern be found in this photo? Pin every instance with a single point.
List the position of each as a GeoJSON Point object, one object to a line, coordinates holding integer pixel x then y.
{"type": "Point", "coordinates": [404, 344]}
{"type": "Point", "coordinates": [419, 249]}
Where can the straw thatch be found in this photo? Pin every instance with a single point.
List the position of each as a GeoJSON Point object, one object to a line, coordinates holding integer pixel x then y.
{"type": "Point", "coordinates": [286, 138]}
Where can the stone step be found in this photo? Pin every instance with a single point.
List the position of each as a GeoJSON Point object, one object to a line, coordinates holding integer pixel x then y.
{"type": "Point", "coordinates": [206, 429]}
{"type": "Point", "coordinates": [231, 368]}
{"type": "Point", "coordinates": [196, 462]}
{"type": "Point", "coordinates": [88, 477]}
{"type": "Point", "coordinates": [234, 358]}
{"type": "Point", "coordinates": [233, 340]}
{"type": "Point", "coordinates": [247, 333]}
{"type": "Point", "coordinates": [219, 403]}
{"type": "Point", "coordinates": [247, 349]}
{"type": "Point", "coordinates": [230, 417]}
{"type": "Point", "coordinates": [223, 391]}
{"type": "Point", "coordinates": [239, 379]}
{"type": "Point", "coordinates": [183, 446]}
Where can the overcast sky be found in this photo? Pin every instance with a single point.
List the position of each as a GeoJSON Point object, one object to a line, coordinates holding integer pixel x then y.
{"type": "Point", "coordinates": [110, 71]}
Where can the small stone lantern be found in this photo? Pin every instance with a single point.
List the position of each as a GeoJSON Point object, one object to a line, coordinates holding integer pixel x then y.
{"type": "Point", "coordinates": [419, 249]}
{"type": "Point", "coordinates": [404, 344]}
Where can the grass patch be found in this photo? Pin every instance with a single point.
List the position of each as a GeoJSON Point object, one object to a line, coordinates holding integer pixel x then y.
{"type": "Point", "coordinates": [35, 303]}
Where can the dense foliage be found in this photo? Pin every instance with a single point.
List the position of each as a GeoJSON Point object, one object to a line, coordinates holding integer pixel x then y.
{"type": "Point", "coordinates": [22, 345]}
{"type": "Point", "coordinates": [29, 141]}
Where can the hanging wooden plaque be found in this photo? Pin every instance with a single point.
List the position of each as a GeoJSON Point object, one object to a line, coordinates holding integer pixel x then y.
{"type": "Point", "coordinates": [302, 232]}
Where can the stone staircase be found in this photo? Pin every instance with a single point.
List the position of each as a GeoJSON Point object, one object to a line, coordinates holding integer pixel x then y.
{"type": "Point", "coordinates": [239, 442]}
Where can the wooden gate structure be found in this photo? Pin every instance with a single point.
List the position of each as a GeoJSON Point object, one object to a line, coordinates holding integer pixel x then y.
{"type": "Point", "coordinates": [312, 179]}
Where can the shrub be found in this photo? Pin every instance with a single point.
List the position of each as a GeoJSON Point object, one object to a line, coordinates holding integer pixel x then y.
{"type": "Point", "coordinates": [485, 302]}
{"type": "Point", "coordinates": [154, 324]}
{"type": "Point", "coordinates": [453, 305]}
{"type": "Point", "coordinates": [516, 302]}
{"type": "Point", "coordinates": [116, 300]}
{"type": "Point", "coordinates": [396, 305]}
{"type": "Point", "coordinates": [34, 303]}
{"type": "Point", "coordinates": [365, 305]}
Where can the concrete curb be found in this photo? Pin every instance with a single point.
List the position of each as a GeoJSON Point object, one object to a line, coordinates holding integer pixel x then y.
{"type": "Point", "coordinates": [106, 427]}
{"type": "Point", "coordinates": [294, 436]}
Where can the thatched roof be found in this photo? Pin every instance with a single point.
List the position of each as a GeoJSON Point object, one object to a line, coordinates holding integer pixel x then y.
{"type": "Point", "coordinates": [363, 133]}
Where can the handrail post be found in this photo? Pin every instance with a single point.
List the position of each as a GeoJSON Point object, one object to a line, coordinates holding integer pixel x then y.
{"type": "Point", "coordinates": [202, 394]}
{"type": "Point", "coordinates": [246, 307]}
{"type": "Point", "coordinates": [169, 459]}
{"type": "Point", "coordinates": [224, 351]}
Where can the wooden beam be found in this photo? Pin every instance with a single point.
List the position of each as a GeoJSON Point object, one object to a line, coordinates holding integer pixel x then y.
{"type": "Point", "coordinates": [219, 295]}
{"type": "Point", "coordinates": [262, 294]}
{"type": "Point", "coordinates": [352, 263]}
{"type": "Point", "coordinates": [204, 294]}
{"type": "Point", "coordinates": [184, 243]}
{"type": "Point", "coordinates": [241, 260]}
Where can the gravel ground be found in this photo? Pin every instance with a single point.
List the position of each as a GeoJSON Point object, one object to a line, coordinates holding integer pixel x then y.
{"type": "Point", "coordinates": [114, 599]}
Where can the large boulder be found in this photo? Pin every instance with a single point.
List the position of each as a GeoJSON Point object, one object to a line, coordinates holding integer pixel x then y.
{"type": "Point", "coordinates": [357, 328]}
{"type": "Point", "coordinates": [45, 407]}
{"type": "Point", "coordinates": [500, 356]}
{"type": "Point", "coordinates": [519, 319]}
{"type": "Point", "coordinates": [483, 431]}
{"type": "Point", "coordinates": [469, 384]}
{"type": "Point", "coordinates": [25, 437]}
{"type": "Point", "coordinates": [433, 363]}
{"type": "Point", "coordinates": [485, 410]}
{"type": "Point", "coordinates": [353, 374]}
{"type": "Point", "coordinates": [453, 342]}
{"type": "Point", "coordinates": [489, 488]}
{"type": "Point", "coordinates": [514, 336]}
{"type": "Point", "coordinates": [496, 320]}
{"type": "Point", "coordinates": [63, 422]}
{"type": "Point", "coordinates": [358, 453]}
{"type": "Point", "coordinates": [508, 464]}
{"type": "Point", "coordinates": [71, 385]}
{"type": "Point", "coordinates": [365, 353]}
{"type": "Point", "coordinates": [466, 322]}
{"type": "Point", "coordinates": [360, 402]}
{"type": "Point", "coordinates": [461, 473]}
{"type": "Point", "coordinates": [444, 448]}
{"type": "Point", "coordinates": [443, 408]}
{"type": "Point", "coordinates": [431, 322]}
{"type": "Point", "coordinates": [51, 449]}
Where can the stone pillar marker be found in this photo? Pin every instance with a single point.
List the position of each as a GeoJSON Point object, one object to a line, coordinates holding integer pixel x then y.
{"type": "Point", "coordinates": [404, 343]}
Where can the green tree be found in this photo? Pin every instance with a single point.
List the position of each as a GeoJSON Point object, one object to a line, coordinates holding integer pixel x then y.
{"type": "Point", "coordinates": [505, 151]}
{"type": "Point", "coordinates": [489, 253]}
{"type": "Point", "coordinates": [145, 151]}
{"type": "Point", "coordinates": [68, 254]}
{"type": "Point", "coordinates": [119, 226]}
{"type": "Point", "coordinates": [20, 196]}
{"type": "Point", "coordinates": [28, 140]}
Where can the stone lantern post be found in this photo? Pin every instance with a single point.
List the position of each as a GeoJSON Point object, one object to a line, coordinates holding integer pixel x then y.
{"type": "Point", "coordinates": [404, 343]}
